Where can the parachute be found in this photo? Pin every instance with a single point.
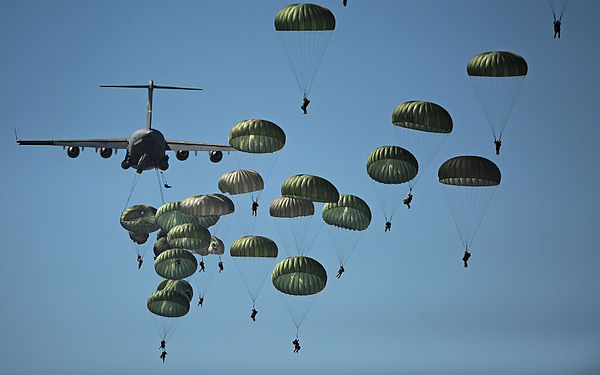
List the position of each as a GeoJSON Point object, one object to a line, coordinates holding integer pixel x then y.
{"type": "Point", "coordinates": [180, 286]}
{"type": "Point", "coordinates": [469, 184]}
{"type": "Point", "coordinates": [161, 245]}
{"type": "Point", "coordinates": [258, 140]}
{"type": "Point", "coordinates": [299, 279]}
{"type": "Point", "coordinates": [175, 264]}
{"type": "Point", "coordinates": [347, 219]}
{"type": "Point", "coordinates": [192, 237]}
{"type": "Point", "coordinates": [254, 257]}
{"type": "Point", "coordinates": [497, 78]}
{"type": "Point", "coordinates": [207, 205]}
{"type": "Point", "coordinates": [138, 238]}
{"type": "Point", "coordinates": [139, 219]}
{"type": "Point", "coordinates": [169, 215]}
{"type": "Point", "coordinates": [304, 31]}
{"type": "Point", "coordinates": [166, 304]}
{"type": "Point", "coordinates": [296, 224]}
{"type": "Point", "coordinates": [257, 137]}
{"type": "Point", "coordinates": [421, 127]}
{"type": "Point", "coordinates": [309, 187]}
{"type": "Point", "coordinates": [238, 183]}
{"type": "Point", "coordinates": [391, 166]}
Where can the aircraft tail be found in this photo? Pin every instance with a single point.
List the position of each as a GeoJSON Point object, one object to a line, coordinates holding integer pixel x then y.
{"type": "Point", "coordinates": [151, 86]}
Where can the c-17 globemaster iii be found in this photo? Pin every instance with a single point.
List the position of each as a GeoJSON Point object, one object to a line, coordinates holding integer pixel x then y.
{"type": "Point", "coordinates": [146, 148]}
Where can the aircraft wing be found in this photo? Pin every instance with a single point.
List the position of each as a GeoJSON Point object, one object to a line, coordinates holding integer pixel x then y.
{"type": "Point", "coordinates": [196, 146]}
{"type": "Point", "coordinates": [115, 143]}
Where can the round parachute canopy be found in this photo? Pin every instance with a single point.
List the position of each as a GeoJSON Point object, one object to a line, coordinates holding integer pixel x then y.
{"type": "Point", "coordinates": [169, 215]}
{"type": "Point", "coordinates": [309, 187]}
{"type": "Point", "coordinates": [469, 171]}
{"type": "Point", "coordinates": [168, 303]}
{"type": "Point", "coordinates": [180, 286]}
{"type": "Point", "coordinates": [350, 212]}
{"type": "Point", "coordinates": [241, 181]}
{"type": "Point", "coordinates": [254, 247]}
{"type": "Point", "coordinates": [299, 276]}
{"type": "Point", "coordinates": [189, 236]}
{"type": "Point", "coordinates": [161, 246]}
{"type": "Point", "coordinates": [216, 247]}
{"type": "Point", "coordinates": [304, 17]}
{"type": "Point", "coordinates": [257, 137]}
{"type": "Point", "coordinates": [139, 219]}
{"type": "Point", "coordinates": [207, 205]}
{"type": "Point", "coordinates": [291, 207]}
{"type": "Point", "coordinates": [392, 165]}
{"type": "Point", "coordinates": [138, 238]}
{"type": "Point", "coordinates": [175, 264]}
{"type": "Point", "coordinates": [497, 64]}
{"type": "Point", "coordinates": [423, 116]}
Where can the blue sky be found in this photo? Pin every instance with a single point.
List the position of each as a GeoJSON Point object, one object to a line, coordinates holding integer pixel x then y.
{"type": "Point", "coordinates": [74, 301]}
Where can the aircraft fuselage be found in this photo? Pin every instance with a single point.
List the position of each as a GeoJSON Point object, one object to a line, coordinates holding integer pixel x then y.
{"type": "Point", "coordinates": [150, 142]}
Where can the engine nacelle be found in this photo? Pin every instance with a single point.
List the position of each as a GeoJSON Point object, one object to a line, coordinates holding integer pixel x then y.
{"type": "Point", "coordinates": [125, 164]}
{"type": "Point", "coordinates": [106, 152]}
{"type": "Point", "coordinates": [215, 156]}
{"type": "Point", "coordinates": [182, 155]}
{"type": "Point", "coordinates": [73, 151]}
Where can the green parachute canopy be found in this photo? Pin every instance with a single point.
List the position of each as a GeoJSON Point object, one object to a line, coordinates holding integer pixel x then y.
{"type": "Point", "coordinates": [423, 116]}
{"type": "Point", "coordinates": [257, 136]}
{"type": "Point", "coordinates": [180, 286]}
{"type": "Point", "coordinates": [304, 17]}
{"type": "Point", "coordinates": [497, 64]}
{"type": "Point", "coordinates": [241, 181]}
{"type": "Point", "coordinates": [193, 237]}
{"type": "Point", "coordinates": [161, 246]}
{"type": "Point", "coordinates": [139, 219]}
{"type": "Point", "coordinates": [254, 246]}
{"type": "Point", "coordinates": [287, 207]}
{"type": "Point", "coordinates": [207, 205]}
{"type": "Point", "coordinates": [392, 165]}
{"type": "Point", "coordinates": [469, 171]}
{"type": "Point", "coordinates": [309, 187]}
{"type": "Point", "coordinates": [175, 264]}
{"type": "Point", "coordinates": [349, 212]}
{"type": "Point", "coordinates": [169, 215]}
{"type": "Point", "coordinates": [168, 303]}
{"type": "Point", "coordinates": [138, 238]}
{"type": "Point", "coordinates": [299, 276]}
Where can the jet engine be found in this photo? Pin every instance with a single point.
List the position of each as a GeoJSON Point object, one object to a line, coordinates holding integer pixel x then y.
{"type": "Point", "coordinates": [215, 156]}
{"type": "Point", "coordinates": [73, 151]}
{"type": "Point", "coordinates": [106, 152]}
{"type": "Point", "coordinates": [182, 155]}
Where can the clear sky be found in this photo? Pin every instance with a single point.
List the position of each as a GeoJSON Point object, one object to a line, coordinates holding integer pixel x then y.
{"type": "Point", "coordinates": [74, 301]}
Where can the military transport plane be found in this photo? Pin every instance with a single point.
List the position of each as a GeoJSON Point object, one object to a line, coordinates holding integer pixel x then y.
{"type": "Point", "coordinates": [145, 148]}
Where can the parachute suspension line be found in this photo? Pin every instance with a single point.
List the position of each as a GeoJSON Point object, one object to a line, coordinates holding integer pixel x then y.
{"type": "Point", "coordinates": [297, 332]}
{"type": "Point", "coordinates": [497, 96]}
{"type": "Point", "coordinates": [160, 187]}
{"type": "Point", "coordinates": [305, 50]}
{"type": "Point", "coordinates": [136, 178]}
